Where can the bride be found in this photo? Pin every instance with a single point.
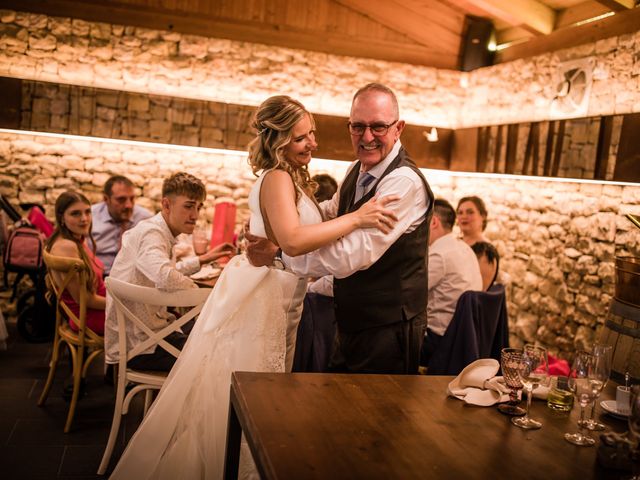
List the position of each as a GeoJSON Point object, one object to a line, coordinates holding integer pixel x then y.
{"type": "Point", "coordinates": [249, 321]}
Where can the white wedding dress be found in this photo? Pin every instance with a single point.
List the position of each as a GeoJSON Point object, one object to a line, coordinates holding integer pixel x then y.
{"type": "Point", "coordinates": [248, 323]}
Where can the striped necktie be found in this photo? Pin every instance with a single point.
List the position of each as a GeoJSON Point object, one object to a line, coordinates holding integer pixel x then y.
{"type": "Point", "coordinates": [365, 179]}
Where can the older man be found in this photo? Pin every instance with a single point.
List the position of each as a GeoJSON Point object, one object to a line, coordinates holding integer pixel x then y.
{"type": "Point", "coordinates": [113, 216]}
{"type": "Point", "coordinates": [380, 279]}
{"type": "Point", "coordinates": [453, 269]}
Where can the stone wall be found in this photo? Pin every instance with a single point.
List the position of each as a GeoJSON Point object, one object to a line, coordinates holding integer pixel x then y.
{"type": "Point", "coordinates": [134, 59]}
{"type": "Point", "coordinates": [557, 239]}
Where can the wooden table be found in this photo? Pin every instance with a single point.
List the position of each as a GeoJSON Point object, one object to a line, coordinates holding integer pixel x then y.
{"type": "Point", "coordinates": [305, 426]}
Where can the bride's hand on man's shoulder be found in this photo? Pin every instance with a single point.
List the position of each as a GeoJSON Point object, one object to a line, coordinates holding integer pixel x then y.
{"type": "Point", "coordinates": [375, 214]}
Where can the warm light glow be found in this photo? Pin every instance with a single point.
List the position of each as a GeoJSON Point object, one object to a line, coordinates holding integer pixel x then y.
{"type": "Point", "coordinates": [593, 19]}
{"type": "Point", "coordinates": [318, 163]}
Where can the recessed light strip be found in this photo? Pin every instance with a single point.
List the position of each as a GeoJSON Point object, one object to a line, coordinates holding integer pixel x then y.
{"type": "Point", "coordinates": [318, 163]}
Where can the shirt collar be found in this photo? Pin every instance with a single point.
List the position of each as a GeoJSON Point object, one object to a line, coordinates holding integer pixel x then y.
{"type": "Point", "coordinates": [379, 169]}
{"type": "Point", "coordinates": [159, 219]}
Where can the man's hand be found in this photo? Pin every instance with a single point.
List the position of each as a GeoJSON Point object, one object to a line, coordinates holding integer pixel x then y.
{"type": "Point", "coordinates": [260, 251]}
{"type": "Point", "coordinates": [222, 250]}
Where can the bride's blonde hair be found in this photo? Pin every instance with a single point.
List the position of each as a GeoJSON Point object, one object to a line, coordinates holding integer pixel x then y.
{"type": "Point", "coordinates": [274, 121]}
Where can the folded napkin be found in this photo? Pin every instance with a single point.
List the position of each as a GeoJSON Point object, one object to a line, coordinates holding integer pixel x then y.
{"type": "Point", "coordinates": [478, 385]}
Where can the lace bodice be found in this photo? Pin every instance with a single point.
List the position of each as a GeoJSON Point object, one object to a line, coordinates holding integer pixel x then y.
{"type": "Point", "coordinates": [307, 209]}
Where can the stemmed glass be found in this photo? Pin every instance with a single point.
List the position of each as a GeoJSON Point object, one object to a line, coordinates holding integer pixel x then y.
{"type": "Point", "coordinates": [511, 363]}
{"type": "Point", "coordinates": [601, 370]}
{"type": "Point", "coordinates": [586, 387]}
{"type": "Point", "coordinates": [535, 372]}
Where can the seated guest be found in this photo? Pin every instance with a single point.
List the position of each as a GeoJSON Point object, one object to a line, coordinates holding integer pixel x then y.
{"type": "Point", "coordinates": [489, 262]}
{"type": "Point", "coordinates": [327, 187]}
{"type": "Point", "coordinates": [472, 219]}
{"type": "Point", "coordinates": [145, 259]}
{"type": "Point", "coordinates": [453, 269]}
{"type": "Point", "coordinates": [73, 227]}
{"type": "Point", "coordinates": [113, 216]}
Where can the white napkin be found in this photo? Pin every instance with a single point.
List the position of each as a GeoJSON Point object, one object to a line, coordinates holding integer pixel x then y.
{"type": "Point", "coordinates": [478, 385]}
{"type": "Point", "coordinates": [206, 272]}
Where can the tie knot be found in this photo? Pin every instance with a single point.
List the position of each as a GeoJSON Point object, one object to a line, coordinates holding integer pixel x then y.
{"type": "Point", "coordinates": [365, 179]}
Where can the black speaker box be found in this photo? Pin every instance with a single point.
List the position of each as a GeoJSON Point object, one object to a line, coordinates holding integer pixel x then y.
{"type": "Point", "coordinates": [478, 33]}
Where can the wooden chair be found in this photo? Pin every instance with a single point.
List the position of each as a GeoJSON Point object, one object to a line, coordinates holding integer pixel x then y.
{"type": "Point", "coordinates": [119, 293]}
{"type": "Point", "coordinates": [84, 345]}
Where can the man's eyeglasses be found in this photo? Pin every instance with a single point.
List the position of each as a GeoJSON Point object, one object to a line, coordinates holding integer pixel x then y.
{"type": "Point", "coordinates": [377, 129]}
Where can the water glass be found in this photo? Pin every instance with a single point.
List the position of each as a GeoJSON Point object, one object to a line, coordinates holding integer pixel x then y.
{"type": "Point", "coordinates": [560, 397]}
{"type": "Point", "coordinates": [200, 242]}
{"type": "Point", "coordinates": [511, 363]}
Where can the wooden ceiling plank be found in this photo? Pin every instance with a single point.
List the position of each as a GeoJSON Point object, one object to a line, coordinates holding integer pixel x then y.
{"type": "Point", "coordinates": [335, 43]}
{"type": "Point", "coordinates": [530, 14]}
{"type": "Point", "coordinates": [513, 34]}
{"type": "Point", "coordinates": [579, 13]}
{"type": "Point", "coordinates": [414, 25]}
{"type": "Point", "coordinates": [618, 5]}
{"type": "Point", "coordinates": [618, 24]}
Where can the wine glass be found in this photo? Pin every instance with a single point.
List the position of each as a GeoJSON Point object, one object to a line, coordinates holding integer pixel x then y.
{"type": "Point", "coordinates": [200, 242]}
{"type": "Point", "coordinates": [586, 387]}
{"type": "Point", "coordinates": [535, 372]}
{"type": "Point", "coordinates": [601, 369]}
{"type": "Point", "coordinates": [511, 362]}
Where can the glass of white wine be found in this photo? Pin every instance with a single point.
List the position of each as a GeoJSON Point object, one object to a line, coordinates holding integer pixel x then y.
{"type": "Point", "coordinates": [534, 373]}
{"type": "Point", "coordinates": [586, 386]}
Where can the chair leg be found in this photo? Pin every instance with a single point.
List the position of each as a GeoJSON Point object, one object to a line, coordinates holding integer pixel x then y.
{"type": "Point", "coordinates": [115, 425]}
{"type": "Point", "coordinates": [148, 399]}
{"type": "Point", "coordinates": [77, 377]}
{"type": "Point", "coordinates": [53, 363]}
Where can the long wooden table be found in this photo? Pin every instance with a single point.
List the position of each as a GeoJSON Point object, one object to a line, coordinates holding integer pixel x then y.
{"type": "Point", "coordinates": [326, 426]}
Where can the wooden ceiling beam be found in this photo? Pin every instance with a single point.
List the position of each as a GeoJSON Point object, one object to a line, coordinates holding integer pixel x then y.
{"type": "Point", "coordinates": [409, 21]}
{"type": "Point", "coordinates": [615, 25]}
{"type": "Point", "coordinates": [254, 32]}
{"type": "Point", "coordinates": [532, 15]}
{"type": "Point", "coordinates": [618, 5]}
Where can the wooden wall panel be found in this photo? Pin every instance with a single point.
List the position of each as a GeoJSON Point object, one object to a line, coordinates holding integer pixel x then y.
{"type": "Point", "coordinates": [628, 160]}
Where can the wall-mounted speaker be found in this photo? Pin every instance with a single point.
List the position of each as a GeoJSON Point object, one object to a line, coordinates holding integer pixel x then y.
{"type": "Point", "coordinates": [478, 35]}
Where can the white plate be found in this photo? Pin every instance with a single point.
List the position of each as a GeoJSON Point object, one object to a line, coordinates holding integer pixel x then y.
{"type": "Point", "coordinates": [207, 272]}
{"type": "Point", "coordinates": [609, 406]}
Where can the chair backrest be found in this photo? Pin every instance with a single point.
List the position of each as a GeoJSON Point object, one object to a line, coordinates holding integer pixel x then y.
{"type": "Point", "coordinates": [122, 292]}
{"type": "Point", "coordinates": [60, 272]}
{"type": "Point", "coordinates": [479, 329]}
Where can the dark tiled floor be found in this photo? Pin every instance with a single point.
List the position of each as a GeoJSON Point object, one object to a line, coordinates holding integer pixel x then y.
{"type": "Point", "coordinates": [32, 443]}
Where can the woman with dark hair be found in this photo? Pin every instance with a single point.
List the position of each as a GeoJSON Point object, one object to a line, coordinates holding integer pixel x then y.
{"type": "Point", "coordinates": [73, 227]}
{"type": "Point", "coordinates": [472, 219]}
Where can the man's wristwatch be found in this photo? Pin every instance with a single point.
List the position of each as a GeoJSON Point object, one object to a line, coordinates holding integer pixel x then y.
{"type": "Point", "coordinates": [277, 260]}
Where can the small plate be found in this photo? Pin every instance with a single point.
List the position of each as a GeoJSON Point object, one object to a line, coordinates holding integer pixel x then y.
{"type": "Point", "coordinates": [207, 272]}
{"type": "Point", "coordinates": [609, 406]}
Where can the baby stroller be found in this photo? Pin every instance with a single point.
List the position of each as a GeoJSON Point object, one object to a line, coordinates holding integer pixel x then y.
{"type": "Point", "coordinates": [22, 254]}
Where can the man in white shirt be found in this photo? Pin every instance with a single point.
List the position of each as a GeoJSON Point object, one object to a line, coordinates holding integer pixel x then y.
{"type": "Point", "coordinates": [116, 214]}
{"type": "Point", "coordinates": [145, 259]}
{"type": "Point", "coordinates": [380, 279]}
{"type": "Point", "coordinates": [453, 269]}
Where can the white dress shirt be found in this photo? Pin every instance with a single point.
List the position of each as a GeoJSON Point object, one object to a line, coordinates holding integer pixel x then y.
{"type": "Point", "coordinates": [453, 269]}
{"type": "Point", "coordinates": [145, 259]}
{"type": "Point", "coordinates": [363, 247]}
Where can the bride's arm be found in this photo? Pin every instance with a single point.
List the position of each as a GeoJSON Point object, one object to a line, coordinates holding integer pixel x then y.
{"type": "Point", "coordinates": [278, 201]}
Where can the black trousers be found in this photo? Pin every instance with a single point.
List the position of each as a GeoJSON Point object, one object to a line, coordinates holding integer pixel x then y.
{"type": "Point", "coordinates": [161, 360]}
{"type": "Point", "coordinates": [390, 349]}
{"type": "Point", "coordinates": [429, 346]}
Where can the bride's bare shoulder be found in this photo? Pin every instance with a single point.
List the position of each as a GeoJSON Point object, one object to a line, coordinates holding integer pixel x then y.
{"type": "Point", "coordinates": [277, 179]}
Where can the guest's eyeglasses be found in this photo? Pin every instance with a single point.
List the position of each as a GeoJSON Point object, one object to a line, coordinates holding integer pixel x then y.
{"type": "Point", "coordinates": [377, 129]}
